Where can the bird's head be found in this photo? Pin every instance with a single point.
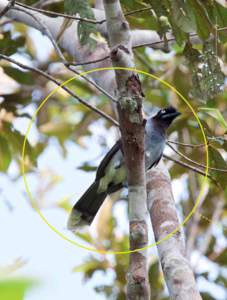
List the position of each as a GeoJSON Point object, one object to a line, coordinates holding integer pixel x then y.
{"type": "Point", "coordinates": [165, 116]}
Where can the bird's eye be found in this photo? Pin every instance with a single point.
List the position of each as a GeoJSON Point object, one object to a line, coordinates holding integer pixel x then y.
{"type": "Point", "coordinates": [163, 111]}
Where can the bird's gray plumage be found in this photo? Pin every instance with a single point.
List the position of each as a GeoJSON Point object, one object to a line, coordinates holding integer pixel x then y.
{"type": "Point", "coordinates": [111, 173]}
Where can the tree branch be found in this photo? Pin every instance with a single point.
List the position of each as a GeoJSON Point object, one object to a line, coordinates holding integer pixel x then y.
{"type": "Point", "coordinates": [98, 87]}
{"type": "Point", "coordinates": [45, 30]}
{"type": "Point", "coordinates": [132, 134]}
{"type": "Point", "coordinates": [218, 209]}
{"type": "Point", "coordinates": [7, 8]}
{"type": "Point", "coordinates": [186, 144]}
{"type": "Point", "coordinates": [177, 271]}
{"type": "Point", "coordinates": [194, 169]}
{"type": "Point", "coordinates": [89, 62]}
{"type": "Point", "coordinates": [193, 227]}
{"type": "Point", "coordinates": [52, 13]}
{"type": "Point", "coordinates": [69, 40]}
{"type": "Point", "coordinates": [49, 77]}
{"type": "Point", "coordinates": [195, 162]}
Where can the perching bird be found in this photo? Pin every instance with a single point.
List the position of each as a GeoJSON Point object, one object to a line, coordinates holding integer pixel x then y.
{"type": "Point", "coordinates": [111, 173]}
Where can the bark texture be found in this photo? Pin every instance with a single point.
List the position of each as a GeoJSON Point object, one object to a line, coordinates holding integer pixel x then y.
{"type": "Point", "coordinates": [69, 40]}
{"type": "Point", "coordinates": [176, 268]}
{"type": "Point", "coordinates": [130, 97]}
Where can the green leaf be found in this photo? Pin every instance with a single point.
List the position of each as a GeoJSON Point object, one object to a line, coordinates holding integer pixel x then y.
{"type": "Point", "coordinates": [85, 236]}
{"type": "Point", "coordinates": [216, 114]}
{"type": "Point", "coordinates": [207, 296]}
{"type": "Point", "coordinates": [87, 168]}
{"type": "Point", "coordinates": [19, 76]}
{"type": "Point", "coordinates": [10, 46]}
{"type": "Point", "coordinates": [217, 14]}
{"type": "Point", "coordinates": [64, 203]}
{"type": "Point", "coordinates": [222, 280]}
{"type": "Point", "coordinates": [218, 141]}
{"type": "Point", "coordinates": [183, 16]}
{"type": "Point", "coordinates": [207, 76]}
{"type": "Point", "coordinates": [220, 18]}
{"type": "Point", "coordinates": [91, 266]}
{"type": "Point", "coordinates": [180, 35]}
{"type": "Point", "coordinates": [161, 10]}
{"type": "Point", "coordinates": [222, 258]}
{"type": "Point", "coordinates": [60, 130]}
{"type": "Point", "coordinates": [212, 244]}
{"type": "Point", "coordinates": [85, 29]}
{"type": "Point", "coordinates": [5, 154]}
{"type": "Point", "coordinates": [154, 279]}
{"type": "Point", "coordinates": [29, 2]}
{"type": "Point", "coordinates": [14, 289]}
{"type": "Point", "coordinates": [204, 25]}
{"type": "Point", "coordinates": [15, 142]}
{"type": "Point", "coordinates": [108, 291]}
{"type": "Point", "coordinates": [12, 101]}
{"type": "Point", "coordinates": [217, 161]}
{"type": "Point", "coordinates": [131, 5]}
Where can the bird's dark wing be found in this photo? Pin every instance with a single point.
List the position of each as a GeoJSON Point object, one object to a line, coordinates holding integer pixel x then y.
{"type": "Point", "coordinates": [101, 168]}
{"type": "Point", "coordinates": [155, 162]}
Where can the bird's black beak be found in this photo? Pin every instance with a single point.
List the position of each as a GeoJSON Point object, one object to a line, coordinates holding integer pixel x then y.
{"type": "Point", "coordinates": [171, 116]}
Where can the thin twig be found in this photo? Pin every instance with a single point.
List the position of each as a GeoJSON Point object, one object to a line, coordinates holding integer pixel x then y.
{"type": "Point", "coordinates": [7, 8]}
{"type": "Point", "coordinates": [89, 62]}
{"type": "Point", "coordinates": [162, 42]}
{"type": "Point", "coordinates": [170, 40]}
{"type": "Point", "coordinates": [108, 56]}
{"type": "Point", "coordinates": [194, 169]}
{"type": "Point", "coordinates": [187, 145]}
{"type": "Point", "coordinates": [44, 74]}
{"type": "Point", "coordinates": [60, 54]}
{"type": "Point", "coordinates": [136, 11]}
{"type": "Point", "coordinates": [222, 29]}
{"type": "Point", "coordinates": [93, 108]}
{"type": "Point", "coordinates": [194, 162]}
{"type": "Point", "coordinates": [213, 138]}
{"type": "Point", "coordinates": [99, 22]}
{"type": "Point", "coordinates": [207, 236]}
{"type": "Point", "coordinates": [153, 43]}
{"type": "Point", "coordinates": [45, 31]}
{"type": "Point", "coordinates": [134, 47]}
{"type": "Point", "coordinates": [5, 22]}
{"type": "Point", "coordinates": [98, 87]}
{"type": "Point", "coordinates": [49, 12]}
{"type": "Point", "coordinates": [193, 226]}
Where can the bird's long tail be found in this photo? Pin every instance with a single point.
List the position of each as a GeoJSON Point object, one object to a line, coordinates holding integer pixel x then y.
{"type": "Point", "coordinates": [86, 208]}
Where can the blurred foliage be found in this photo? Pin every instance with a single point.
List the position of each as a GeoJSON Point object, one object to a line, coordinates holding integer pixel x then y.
{"type": "Point", "coordinates": [14, 289]}
{"type": "Point", "coordinates": [9, 269]}
{"type": "Point", "coordinates": [85, 30]}
{"type": "Point", "coordinates": [196, 67]}
{"type": "Point", "coordinates": [207, 77]}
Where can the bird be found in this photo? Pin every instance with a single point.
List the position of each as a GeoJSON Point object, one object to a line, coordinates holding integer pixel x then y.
{"type": "Point", "coordinates": [111, 172]}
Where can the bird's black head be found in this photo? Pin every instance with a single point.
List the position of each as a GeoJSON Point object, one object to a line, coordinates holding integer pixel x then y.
{"type": "Point", "coordinates": [165, 116]}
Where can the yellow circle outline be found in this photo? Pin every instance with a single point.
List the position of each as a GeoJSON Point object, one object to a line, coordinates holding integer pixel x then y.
{"type": "Point", "coordinates": [203, 183]}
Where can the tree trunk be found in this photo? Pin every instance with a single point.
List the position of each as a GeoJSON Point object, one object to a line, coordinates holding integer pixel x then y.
{"type": "Point", "coordinates": [171, 247]}
{"type": "Point", "coordinates": [131, 121]}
